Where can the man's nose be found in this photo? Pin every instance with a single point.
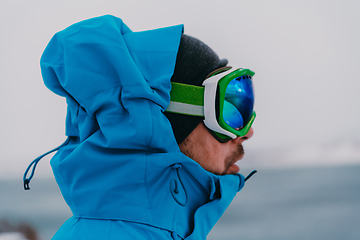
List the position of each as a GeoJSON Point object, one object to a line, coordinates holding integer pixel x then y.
{"type": "Point", "coordinates": [246, 137]}
{"type": "Point", "coordinates": [249, 134]}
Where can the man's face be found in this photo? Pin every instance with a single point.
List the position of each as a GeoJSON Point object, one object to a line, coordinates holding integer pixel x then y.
{"type": "Point", "coordinates": [213, 156]}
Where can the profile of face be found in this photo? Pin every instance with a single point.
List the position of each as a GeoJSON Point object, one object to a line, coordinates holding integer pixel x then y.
{"type": "Point", "coordinates": [213, 156]}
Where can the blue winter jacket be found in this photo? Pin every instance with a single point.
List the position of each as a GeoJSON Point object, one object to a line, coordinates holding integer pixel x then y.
{"type": "Point", "coordinates": [122, 173]}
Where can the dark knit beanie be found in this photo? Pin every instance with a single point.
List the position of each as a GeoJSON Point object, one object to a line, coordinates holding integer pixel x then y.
{"type": "Point", "coordinates": [194, 61]}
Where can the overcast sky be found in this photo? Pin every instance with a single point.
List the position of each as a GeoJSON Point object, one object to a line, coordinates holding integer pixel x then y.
{"type": "Point", "coordinates": [306, 56]}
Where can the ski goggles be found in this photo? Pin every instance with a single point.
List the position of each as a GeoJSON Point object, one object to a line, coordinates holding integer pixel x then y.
{"type": "Point", "coordinates": [226, 101]}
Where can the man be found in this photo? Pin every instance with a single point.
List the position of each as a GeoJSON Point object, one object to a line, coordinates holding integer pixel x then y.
{"type": "Point", "coordinates": [195, 62]}
{"type": "Point", "coordinates": [127, 170]}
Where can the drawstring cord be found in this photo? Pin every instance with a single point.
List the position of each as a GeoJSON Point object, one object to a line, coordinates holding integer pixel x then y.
{"type": "Point", "coordinates": [35, 162]}
{"type": "Point", "coordinates": [174, 188]}
{"type": "Point", "coordinates": [250, 175]}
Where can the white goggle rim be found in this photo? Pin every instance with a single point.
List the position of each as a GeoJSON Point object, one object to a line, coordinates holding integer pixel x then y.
{"type": "Point", "coordinates": [210, 120]}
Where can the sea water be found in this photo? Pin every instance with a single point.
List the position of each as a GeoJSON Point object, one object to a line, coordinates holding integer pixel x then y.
{"type": "Point", "coordinates": [275, 204]}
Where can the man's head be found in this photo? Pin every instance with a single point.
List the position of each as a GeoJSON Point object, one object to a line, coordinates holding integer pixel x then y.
{"type": "Point", "coordinates": [195, 62]}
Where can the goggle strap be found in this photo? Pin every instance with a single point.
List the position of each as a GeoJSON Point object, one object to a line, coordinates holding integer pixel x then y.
{"type": "Point", "coordinates": [186, 99]}
{"type": "Point", "coordinates": [184, 108]}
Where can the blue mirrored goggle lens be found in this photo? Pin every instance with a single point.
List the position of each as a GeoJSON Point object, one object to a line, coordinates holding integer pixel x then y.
{"type": "Point", "coordinates": [232, 116]}
{"type": "Point", "coordinates": [239, 102]}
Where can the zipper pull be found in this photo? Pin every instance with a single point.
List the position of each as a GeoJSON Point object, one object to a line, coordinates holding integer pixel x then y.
{"type": "Point", "coordinates": [250, 175]}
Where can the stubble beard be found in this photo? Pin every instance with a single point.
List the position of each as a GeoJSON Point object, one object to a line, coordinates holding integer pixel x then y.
{"type": "Point", "coordinates": [233, 158]}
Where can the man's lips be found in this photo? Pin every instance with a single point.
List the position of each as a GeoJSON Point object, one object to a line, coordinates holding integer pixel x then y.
{"type": "Point", "coordinates": [234, 168]}
{"type": "Point", "coordinates": [231, 167]}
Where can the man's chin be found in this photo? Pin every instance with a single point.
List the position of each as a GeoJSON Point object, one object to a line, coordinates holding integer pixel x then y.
{"type": "Point", "coordinates": [233, 169]}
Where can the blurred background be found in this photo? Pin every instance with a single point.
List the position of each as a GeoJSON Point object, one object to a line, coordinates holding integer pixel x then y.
{"type": "Point", "coordinates": [306, 146]}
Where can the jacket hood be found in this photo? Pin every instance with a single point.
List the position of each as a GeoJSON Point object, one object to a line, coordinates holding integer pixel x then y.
{"type": "Point", "coordinates": [114, 79]}
{"type": "Point", "coordinates": [122, 162]}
